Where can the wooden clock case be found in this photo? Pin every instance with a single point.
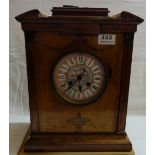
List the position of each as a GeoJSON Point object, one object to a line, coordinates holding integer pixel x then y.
{"type": "Point", "coordinates": [58, 126]}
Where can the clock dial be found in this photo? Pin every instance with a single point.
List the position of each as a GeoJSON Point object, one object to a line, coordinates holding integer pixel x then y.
{"type": "Point", "coordinates": [79, 78]}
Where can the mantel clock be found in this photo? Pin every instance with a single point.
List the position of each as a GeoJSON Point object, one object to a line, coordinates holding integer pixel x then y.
{"type": "Point", "coordinates": [78, 67]}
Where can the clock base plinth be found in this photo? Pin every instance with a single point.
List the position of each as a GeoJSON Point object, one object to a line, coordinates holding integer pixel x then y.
{"type": "Point", "coordinates": [76, 143]}
{"type": "Point", "coordinates": [21, 152]}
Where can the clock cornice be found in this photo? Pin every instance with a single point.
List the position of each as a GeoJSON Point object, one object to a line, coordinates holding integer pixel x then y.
{"type": "Point", "coordinates": [35, 16]}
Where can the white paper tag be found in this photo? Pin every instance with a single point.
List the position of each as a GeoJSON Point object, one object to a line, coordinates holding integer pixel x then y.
{"type": "Point", "coordinates": [106, 39]}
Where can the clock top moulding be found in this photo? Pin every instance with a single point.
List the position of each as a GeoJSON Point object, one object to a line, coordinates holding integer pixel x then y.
{"type": "Point", "coordinates": [75, 21]}
{"type": "Point", "coordinates": [99, 22]}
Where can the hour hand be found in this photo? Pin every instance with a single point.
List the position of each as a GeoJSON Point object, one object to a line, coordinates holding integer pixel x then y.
{"type": "Point", "coordinates": [70, 83]}
{"type": "Point", "coordinates": [80, 87]}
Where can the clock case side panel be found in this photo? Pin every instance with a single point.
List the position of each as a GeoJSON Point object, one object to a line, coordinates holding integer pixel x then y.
{"type": "Point", "coordinates": [32, 80]}
{"type": "Point", "coordinates": [125, 81]}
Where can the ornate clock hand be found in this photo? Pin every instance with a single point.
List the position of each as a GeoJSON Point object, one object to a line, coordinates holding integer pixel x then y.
{"type": "Point", "coordinates": [88, 84]}
{"type": "Point", "coordinates": [80, 87]}
{"type": "Point", "coordinates": [78, 78]}
{"type": "Point", "coordinates": [70, 83]}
